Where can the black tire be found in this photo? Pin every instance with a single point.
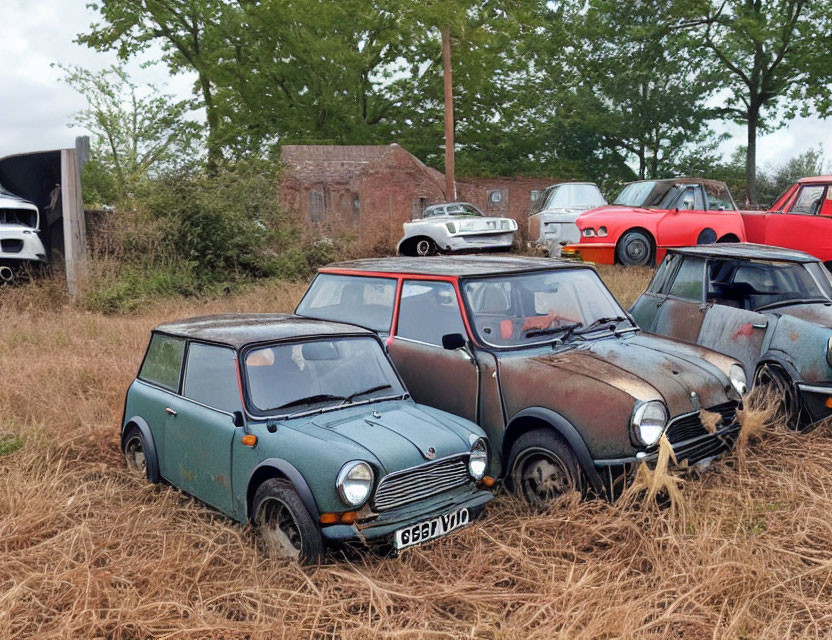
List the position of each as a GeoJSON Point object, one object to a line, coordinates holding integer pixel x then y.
{"type": "Point", "coordinates": [424, 247]}
{"type": "Point", "coordinates": [134, 449]}
{"type": "Point", "coordinates": [774, 379]}
{"type": "Point", "coordinates": [542, 468]}
{"type": "Point", "coordinates": [285, 525]}
{"type": "Point", "coordinates": [635, 249]}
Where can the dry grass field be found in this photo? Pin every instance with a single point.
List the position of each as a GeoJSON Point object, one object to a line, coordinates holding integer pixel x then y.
{"type": "Point", "coordinates": [86, 551]}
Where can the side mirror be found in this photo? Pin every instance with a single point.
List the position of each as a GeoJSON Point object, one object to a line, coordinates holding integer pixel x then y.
{"type": "Point", "coordinates": [452, 341]}
{"type": "Point", "coordinates": [238, 419]}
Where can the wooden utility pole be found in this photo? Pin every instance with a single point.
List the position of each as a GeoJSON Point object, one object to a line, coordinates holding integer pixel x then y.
{"type": "Point", "coordinates": [450, 181]}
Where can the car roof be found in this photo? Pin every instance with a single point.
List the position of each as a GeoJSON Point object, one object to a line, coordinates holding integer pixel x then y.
{"type": "Point", "coordinates": [745, 251]}
{"type": "Point", "coordinates": [453, 266]}
{"type": "Point", "coordinates": [240, 329]}
{"type": "Point", "coordinates": [815, 179]}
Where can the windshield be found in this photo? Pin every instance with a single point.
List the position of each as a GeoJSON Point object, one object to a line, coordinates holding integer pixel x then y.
{"type": "Point", "coordinates": [754, 284]}
{"type": "Point", "coordinates": [319, 374]}
{"type": "Point", "coordinates": [531, 308]}
{"type": "Point", "coordinates": [453, 209]}
{"type": "Point", "coordinates": [635, 194]}
{"type": "Point", "coordinates": [362, 300]}
{"type": "Point", "coordinates": [575, 195]}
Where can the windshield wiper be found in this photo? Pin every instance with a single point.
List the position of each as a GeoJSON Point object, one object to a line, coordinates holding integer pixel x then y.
{"type": "Point", "coordinates": [567, 330]}
{"type": "Point", "coordinates": [350, 397]}
{"type": "Point", "coordinates": [601, 321]}
{"type": "Point", "coordinates": [318, 397]}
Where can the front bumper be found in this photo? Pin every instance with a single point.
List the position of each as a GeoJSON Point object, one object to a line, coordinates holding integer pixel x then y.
{"type": "Point", "coordinates": [380, 527]}
{"type": "Point", "coordinates": [816, 400]}
{"type": "Point", "coordinates": [20, 244]}
{"type": "Point", "coordinates": [479, 241]}
{"type": "Point", "coordinates": [617, 474]}
{"type": "Point", "coordinates": [598, 252]}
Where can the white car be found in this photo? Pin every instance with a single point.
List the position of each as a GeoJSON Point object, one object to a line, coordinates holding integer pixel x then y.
{"type": "Point", "coordinates": [19, 241]}
{"type": "Point", "coordinates": [455, 227]}
{"type": "Point", "coordinates": [552, 218]}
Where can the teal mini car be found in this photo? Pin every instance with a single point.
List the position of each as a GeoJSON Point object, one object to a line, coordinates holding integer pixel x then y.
{"type": "Point", "coordinates": [303, 428]}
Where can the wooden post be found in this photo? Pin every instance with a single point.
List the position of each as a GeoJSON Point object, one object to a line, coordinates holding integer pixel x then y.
{"type": "Point", "coordinates": [75, 233]}
{"type": "Point", "coordinates": [450, 181]}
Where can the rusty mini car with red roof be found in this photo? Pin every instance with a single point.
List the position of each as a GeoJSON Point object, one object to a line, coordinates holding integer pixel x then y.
{"type": "Point", "coordinates": [540, 354]}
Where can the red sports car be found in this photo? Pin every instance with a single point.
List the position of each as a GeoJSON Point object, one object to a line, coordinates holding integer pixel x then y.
{"type": "Point", "coordinates": [650, 216]}
{"type": "Point", "coordinates": [800, 219]}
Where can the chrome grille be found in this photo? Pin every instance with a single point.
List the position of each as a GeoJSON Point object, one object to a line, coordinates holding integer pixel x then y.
{"type": "Point", "coordinates": [690, 426]}
{"type": "Point", "coordinates": [410, 485]}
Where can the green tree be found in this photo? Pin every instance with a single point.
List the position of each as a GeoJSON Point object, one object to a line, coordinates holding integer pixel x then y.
{"type": "Point", "coordinates": [186, 30]}
{"type": "Point", "coordinates": [772, 58]}
{"type": "Point", "coordinates": [136, 132]}
{"type": "Point", "coordinates": [651, 96]}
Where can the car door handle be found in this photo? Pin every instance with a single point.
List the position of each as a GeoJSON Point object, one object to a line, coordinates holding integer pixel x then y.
{"type": "Point", "coordinates": [759, 325]}
{"type": "Point", "coordinates": [170, 411]}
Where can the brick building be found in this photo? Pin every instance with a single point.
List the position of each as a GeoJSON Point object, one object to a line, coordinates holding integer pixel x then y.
{"type": "Point", "coordinates": [371, 190]}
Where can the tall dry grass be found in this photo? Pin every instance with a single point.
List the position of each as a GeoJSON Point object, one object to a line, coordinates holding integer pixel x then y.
{"type": "Point", "coordinates": [86, 551]}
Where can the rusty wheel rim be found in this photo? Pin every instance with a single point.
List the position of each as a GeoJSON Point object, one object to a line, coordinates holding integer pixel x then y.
{"type": "Point", "coordinates": [279, 529]}
{"type": "Point", "coordinates": [135, 456]}
{"type": "Point", "coordinates": [541, 477]}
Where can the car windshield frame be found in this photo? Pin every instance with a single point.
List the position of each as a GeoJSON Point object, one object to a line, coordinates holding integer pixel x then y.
{"type": "Point", "coordinates": [397, 390]}
{"type": "Point", "coordinates": [549, 338]}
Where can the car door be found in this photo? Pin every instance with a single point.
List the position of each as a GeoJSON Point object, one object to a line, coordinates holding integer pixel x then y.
{"type": "Point", "coordinates": [443, 378]}
{"type": "Point", "coordinates": [806, 225]}
{"type": "Point", "coordinates": [200, 432]}
{"type": "Point", "coordinates": [682, 225]}
{"type": "Point", "coordinates": [645, 309]}
{"type": "Point", "coordinates": [682, 309]}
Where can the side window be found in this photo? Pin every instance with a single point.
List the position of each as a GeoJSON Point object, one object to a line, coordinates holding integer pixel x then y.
{"type": "Point", "coordinates": [163, 361]}
{"type": "Point", "coordinates": [718, 196]}
{"type": "Point", "coordinates": [691, 199]}
{"type": "Point", "coordinates": [428, 311]}
{"type": "Point", "coordinates": [662, 273]}
{"type": "Point", "coordinates": [808, 200]}
{"type": "Point", "coordinates": [688, 281]}
{"type": "Point", "coordinates": [211, 377]}
{"type": "Point", "coordinates": [362, 300]}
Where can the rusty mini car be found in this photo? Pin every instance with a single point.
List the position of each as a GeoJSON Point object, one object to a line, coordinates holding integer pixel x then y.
{"type": "Point", "coordinates": [303, 428]}
{"type": "Point", "coordinates": [538, 352]}
{"type": "Point", "coordinates": [552, 218]}
{"type": "Point", "coordinates": [455, 227]}
{"type": "Point", "coordinates": [650, 216]}
{"type": "Point", "coordinates": [768, 307]}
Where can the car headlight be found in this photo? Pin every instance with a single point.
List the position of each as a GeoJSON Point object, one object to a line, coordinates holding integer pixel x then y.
{"type": "Point", "coordinates": [451, 227]}
{"type": "Point", "coordinates": [478, 460]}
{"type": "Point", "coordinates": [602, 232]}
{"type": "Point", "coordinates": [649, 421]}
{"type": "Point", "coordinates": [589, 233]}
{"type": "Point", "coordinates": [738, 380]}
{"type": "Point", "coordinates": [354, 483]}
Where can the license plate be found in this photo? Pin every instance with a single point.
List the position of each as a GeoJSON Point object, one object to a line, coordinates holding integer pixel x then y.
{"type": "Point", "coordinates": [430, 529]}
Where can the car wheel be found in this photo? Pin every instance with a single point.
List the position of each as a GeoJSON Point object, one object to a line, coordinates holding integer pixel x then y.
{"type": "Point", "coordinates": [425, 247]}
{"type": "Point", "coordinates": [775, 380]}
{"type": "Point", "coordinates": [542, 468]}
{"type": "Point", "coordinates": [135, 452]}
{"type": "Point", "coordinates": [285, 525]}
{"type": "Point", "coordinates": [635, 249]}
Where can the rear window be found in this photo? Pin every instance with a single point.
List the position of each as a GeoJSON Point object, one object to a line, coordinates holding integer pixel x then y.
{"type": "Point", "coordinates": [362, 300]}
{"type": "Point", "coordinates": [163, 362]}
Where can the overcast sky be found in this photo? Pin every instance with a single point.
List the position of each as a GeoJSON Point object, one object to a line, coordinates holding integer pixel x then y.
{"type": "Point", "coordinates": [35, 107]}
